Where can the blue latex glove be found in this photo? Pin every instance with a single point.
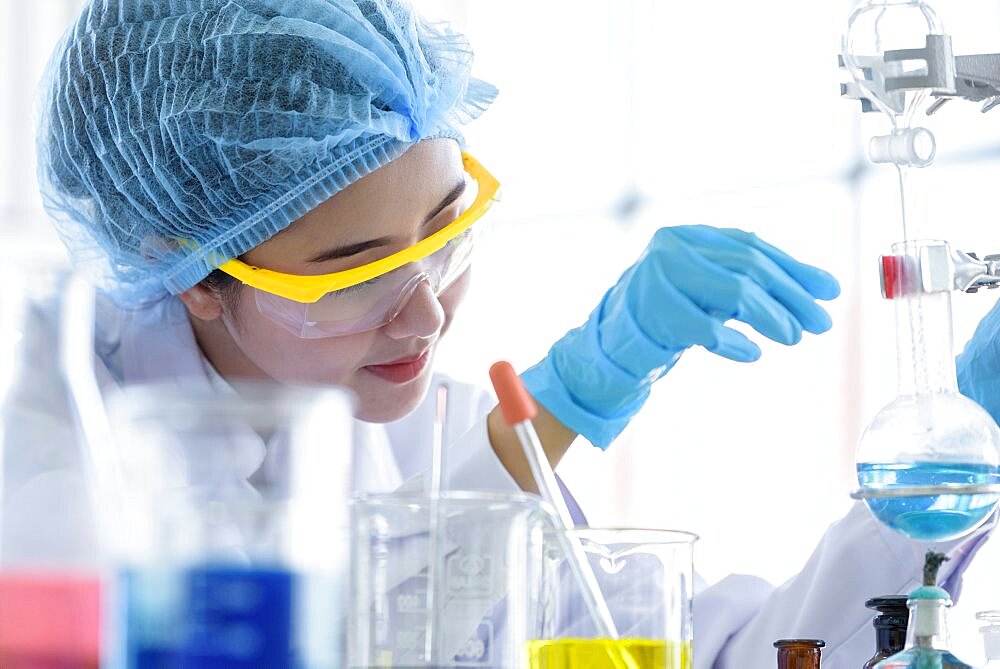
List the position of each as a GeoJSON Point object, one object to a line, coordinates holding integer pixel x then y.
{"type": "Point", "coordinates": [687, 284]}
{"type": "Point", "coordinates": [979, 364]}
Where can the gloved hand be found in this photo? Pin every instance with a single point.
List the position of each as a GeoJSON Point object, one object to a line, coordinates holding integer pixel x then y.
{"type": "Point", "coordinates": [687, 284]}
{"type": "Point", "coordinates": [979, 364]}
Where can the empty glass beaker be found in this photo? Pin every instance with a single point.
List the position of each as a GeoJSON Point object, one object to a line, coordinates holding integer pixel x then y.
{"type": "Point", "coordinates": [646, 577]}
{"type": "Point", "coordinates": [50, 548]}
{"type": "Point", "coordinates": [233, 526]}
{"type": "Point", "coordinates": [991, 637]}
{"type": "Point", "coordinates": [488, 553]}
{"type": "Point", "coordinates": [929, 462]}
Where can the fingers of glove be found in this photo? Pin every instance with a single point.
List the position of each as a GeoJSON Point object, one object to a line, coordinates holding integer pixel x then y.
{"type": "Point", "coordinates": [675, 298]}
{"type": "Point", "coordinates": [821, 284]}
{"type": "Point", "coordinates": [712, 288]}
{"type": "Point", "coordinates": [732, 344]}
{"type": "Point", "coordinates": [671, 318]}
{"type": "Point", "coordinates": [738, 254]}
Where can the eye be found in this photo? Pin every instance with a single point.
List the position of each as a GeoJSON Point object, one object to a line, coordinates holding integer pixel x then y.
{"type": "Point", "coordinates": [356, 288]}
{"type": "Point", "coordinates": [458, 238]}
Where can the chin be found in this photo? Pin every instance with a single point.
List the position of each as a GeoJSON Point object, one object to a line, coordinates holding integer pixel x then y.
{"type": "Point", "coordinates": [385, 402]}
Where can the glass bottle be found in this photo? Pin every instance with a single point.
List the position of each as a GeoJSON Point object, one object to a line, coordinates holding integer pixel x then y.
{"type": "Point", "coordinates": [927, 638]}
{"type": "Point", "coordinates": [991, 637]}
{"type": "Point", "coordinates": [890, 626]}
{"type": "Point", "coordinates": [799, 653]}
{"type": "Point", "coordinates": [51, 553]}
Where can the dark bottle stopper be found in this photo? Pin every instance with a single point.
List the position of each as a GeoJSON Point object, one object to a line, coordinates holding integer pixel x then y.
{"type": "Point", "coordinates": [890, 626]}
{"type": "Point", "coordinates": [892, 610]}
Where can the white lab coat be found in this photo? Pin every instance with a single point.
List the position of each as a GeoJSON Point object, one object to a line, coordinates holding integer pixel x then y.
{"type": "Point", "coordinates": [736, 620]}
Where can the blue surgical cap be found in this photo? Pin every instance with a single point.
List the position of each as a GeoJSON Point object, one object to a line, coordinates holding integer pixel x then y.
{"type": "Point", "coordinates": [177, 134]}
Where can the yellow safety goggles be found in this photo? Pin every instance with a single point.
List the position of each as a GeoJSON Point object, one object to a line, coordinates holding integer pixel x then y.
{"type": "Point", "coordinates": [368, 297]}
{"type": "Point", "coordinates": [310, 288]}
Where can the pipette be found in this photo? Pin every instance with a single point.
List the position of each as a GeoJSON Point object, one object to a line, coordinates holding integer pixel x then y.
{"type": "Point", "coordinates": [437, 520]}
{"type": "Point", "coordinates": [518, 408]}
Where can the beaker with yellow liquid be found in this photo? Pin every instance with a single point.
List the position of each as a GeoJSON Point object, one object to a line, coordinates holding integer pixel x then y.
{"type": "Point", "coordinates": [609, 653]}
{"type": "Point", "coordinates": [647, 578]}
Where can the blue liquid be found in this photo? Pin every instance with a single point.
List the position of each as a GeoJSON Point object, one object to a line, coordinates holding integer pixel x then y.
{"type": "Point", "coordinates": [210, 617]}
{"type": "Point", "coordinates": [934, 517]}
{"type": "Point", "coordinates": [923, 658]}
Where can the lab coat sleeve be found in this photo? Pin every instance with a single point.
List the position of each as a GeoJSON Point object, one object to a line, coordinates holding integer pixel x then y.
{"type": "Point", "coordinates": [738, 619]}
{"type": "Point", "coordinates": [475, 465]}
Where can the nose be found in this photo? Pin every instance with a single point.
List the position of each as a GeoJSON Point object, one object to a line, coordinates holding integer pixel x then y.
{"type": "Point", "coordinates": [422, 316]}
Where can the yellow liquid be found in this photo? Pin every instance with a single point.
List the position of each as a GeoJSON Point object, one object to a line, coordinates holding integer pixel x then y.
{"type": "Point", "coordinates": [609, 654]}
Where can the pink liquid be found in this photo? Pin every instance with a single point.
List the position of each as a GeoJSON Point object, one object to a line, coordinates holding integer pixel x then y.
{"type": "Point", "coordinates": [49, 621]}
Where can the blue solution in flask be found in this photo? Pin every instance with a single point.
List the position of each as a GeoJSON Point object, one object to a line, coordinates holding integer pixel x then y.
{"type": "Point", "coordinates": [931, 517]}
{"type": "Point", "coordinates": [210, 617]}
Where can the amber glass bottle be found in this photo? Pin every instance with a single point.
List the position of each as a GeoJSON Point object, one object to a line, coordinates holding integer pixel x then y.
{"type": "Point", "coordinates": [799, 653]}
{"type": "Point", "coordinates": [890, 626]}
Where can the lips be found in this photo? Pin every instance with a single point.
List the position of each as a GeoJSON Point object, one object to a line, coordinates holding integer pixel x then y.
{"type": "Point", "coordinates": [403, 370]}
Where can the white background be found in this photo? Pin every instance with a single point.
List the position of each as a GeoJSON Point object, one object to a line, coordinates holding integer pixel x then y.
{"type": "Point", "coordinates": [724, 113]}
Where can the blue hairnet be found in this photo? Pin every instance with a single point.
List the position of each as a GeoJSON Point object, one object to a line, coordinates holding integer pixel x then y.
{"type": "Point", "coordinates": [177, 134]}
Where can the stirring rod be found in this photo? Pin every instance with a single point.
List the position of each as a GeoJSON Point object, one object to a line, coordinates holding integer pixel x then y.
{"type": "Point", "coordinates": [518, 408]}
{"type": "Point", "coordinates": [437, 526]}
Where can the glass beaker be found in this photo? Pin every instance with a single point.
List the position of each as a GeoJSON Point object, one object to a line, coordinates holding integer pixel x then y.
{"type": "Point", "coordinates": [50, 543]}
{"type": "Point", "coordinates": [488, 553]}
{"type": "Point", "coordinates": [647, 578]}
{"type": "Point", "coordinates": [991, 637]}
{"type": "Point", "coordinates": [233, 526]}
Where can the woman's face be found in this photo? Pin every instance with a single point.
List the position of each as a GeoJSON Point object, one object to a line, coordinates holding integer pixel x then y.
{"type": "Point", "coordinates": [384, 212]}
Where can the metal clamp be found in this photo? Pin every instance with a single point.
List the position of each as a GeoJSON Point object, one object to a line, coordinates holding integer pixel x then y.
{"type": "Point", "coordinates": [889, 80]}
{"type": "Point", "coordinates": [975, 78]}
{"type": "Point", "coordinates": [897, 492]}
{"type": "Point", "coordinates": [971, 273]}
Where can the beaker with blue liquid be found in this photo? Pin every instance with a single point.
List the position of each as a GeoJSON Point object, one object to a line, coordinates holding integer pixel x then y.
{"type": "Point", "coordinates": [929, 462]}
{"type": "Point", "coordinates": [232, 547]}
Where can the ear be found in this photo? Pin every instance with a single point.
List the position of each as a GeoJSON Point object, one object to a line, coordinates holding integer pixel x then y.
{"type": "Point", "coordinates": [202, 302]}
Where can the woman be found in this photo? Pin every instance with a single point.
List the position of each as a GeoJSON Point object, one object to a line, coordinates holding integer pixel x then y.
{"type": "Point", "coordinates": [277, 190]}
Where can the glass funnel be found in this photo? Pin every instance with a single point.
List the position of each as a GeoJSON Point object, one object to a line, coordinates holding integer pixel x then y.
{"type": "Point", "coordinates": [928, 462]}
{"type": "Point", "coordinates": [646, 577]}
{"type": "Point", "coordinates": [898, 54]}
{"type": "Point", "coordinates": [232, 527]}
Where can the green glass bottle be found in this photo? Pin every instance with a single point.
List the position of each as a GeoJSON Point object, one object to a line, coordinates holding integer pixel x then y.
{"type": "Point", "coordinates": [927, 634]}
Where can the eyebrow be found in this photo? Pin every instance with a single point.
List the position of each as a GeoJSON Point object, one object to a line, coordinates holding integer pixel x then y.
{"type": "Point", "coordinates": [349, 250]}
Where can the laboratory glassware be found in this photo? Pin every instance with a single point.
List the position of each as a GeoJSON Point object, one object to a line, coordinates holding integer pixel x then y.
{"type": "Point", "coordinates": [991, 637]}
{"type": "Point", "coordinates": [51, 555]}
{"type": "Point", "coordinates": [646, 578]}
{"type": "Point", "coordinates": [927, 638]}
{"type": "Point", "coordinates": [518, 409]}
{"type": "Point", "coordinates": [232, 526]}
{"type": "Point", "coordinates": [491, 548]}
{"type": "Point", "coordinates": [929, 462]}
{"type": "Point", "coordinates": [890, 626]}
{"type": "Point", "coordinates": [898, 54]}
{"type": "Point", "coordinates": [799, 653]}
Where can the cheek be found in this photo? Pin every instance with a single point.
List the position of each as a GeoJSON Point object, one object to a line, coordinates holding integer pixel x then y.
{"type": "Point", "coordinates": [289, 359]}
